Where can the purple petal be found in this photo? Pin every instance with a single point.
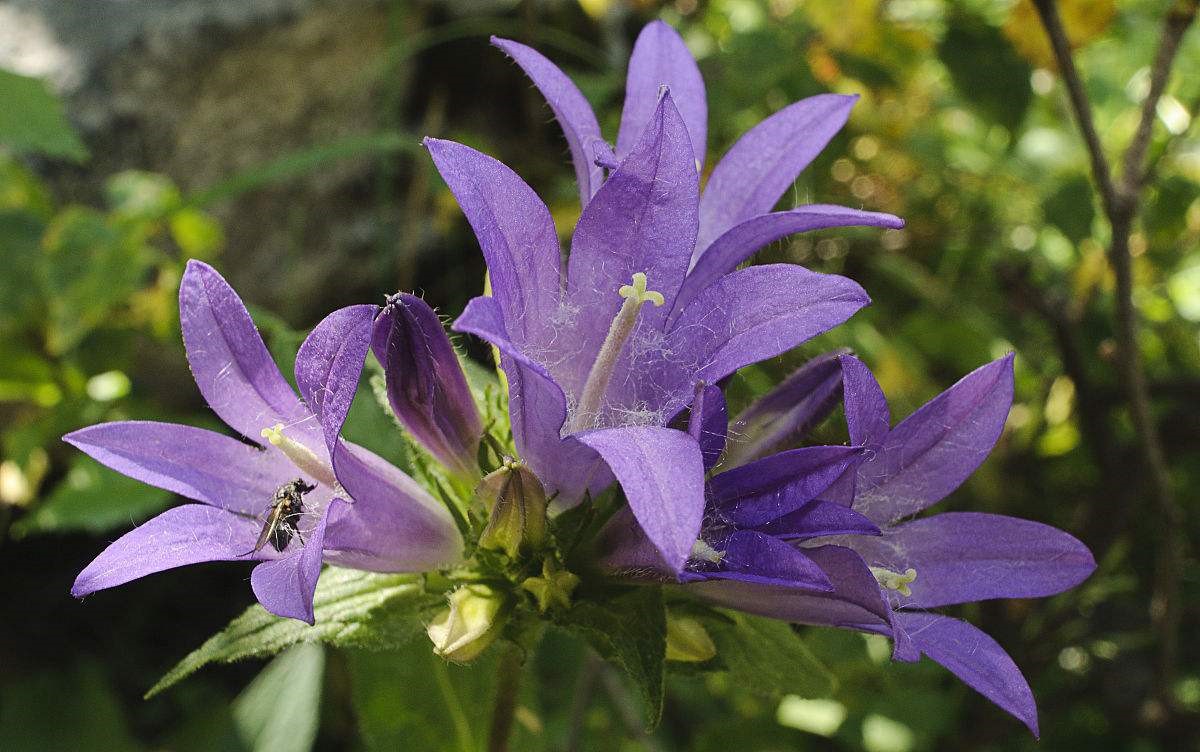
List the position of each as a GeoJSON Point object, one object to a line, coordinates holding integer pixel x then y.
{"type": "Point", "coordinates": [855, 601]}
{"type": "Point", "coordinates": [662, 473]}
{"type": "Point", "coordinates": [818, 518]}
{"type": "Point", "coordinates": [191, 462]}
{"type": "Point", "coordinates": [660, 58]}
{"type": "Point", "coordinates": [707, 421]}
{"type": "Point", "coordinates": [516, 235]}
{"type": "Point", "coordinates": [538, 409]}
{"type": "Point", "coordinates": [975, 658]}
{"type": "Point", "coordinates": [739, 242]}
{"type": "Point", "coordinates": [754, 557]}
{"type": "Point", "coordinates": [758, 313]}
{"type": "Point", "coordinates": [230, 363]}
{"type": "Point", "coordinates": [190, 534]}
{"type": "Point", "coordinates": [393, 525]}
{"type": "Point", "coordinates": [934, 450]}
{"type": "Point", "coordinates": [329, 363]}
{"type": "Point", "coordinates": [570, 108]}
{"type": "Point", "coordinates": [867, 416]}
{"type": "Point", "coordinates": [285, 586]}
{"type": "Point", "coordinates": [962, 557]}
{"type": "Point", "coordinates": [642, 220]}
{"type": "Point", "coordinates": [426, 386]}
{"type": "Point", "coordinates": [769, 488]}
{"type": "Point", "coordinates": [764, 162]}
{"type": "Point", "coordinates": [789, 410]}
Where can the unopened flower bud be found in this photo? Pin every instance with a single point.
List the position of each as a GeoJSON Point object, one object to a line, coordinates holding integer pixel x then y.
{"type": "Point", "coordinates": [426, 386]}
{"type": "Point", "coordinates": [471, 623]}
{"type": "Point", "coordinates": [688, 641]}
{"type": "Point", "coordinates": [516, 504]}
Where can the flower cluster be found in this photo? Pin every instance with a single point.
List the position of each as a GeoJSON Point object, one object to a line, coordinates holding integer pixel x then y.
{"type": "Point", "coordinates": [614, 363]}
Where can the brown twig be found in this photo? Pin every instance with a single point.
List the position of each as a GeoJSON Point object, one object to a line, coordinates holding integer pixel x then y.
{"type": "Point", "coordinates": [1121, 204]}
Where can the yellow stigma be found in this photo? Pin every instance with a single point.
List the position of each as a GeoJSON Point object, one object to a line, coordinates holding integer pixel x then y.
{"type": "Point", "coordinates": [894, 580]}
{"type": "Point", "coordinates": [638, 293]}
{"type": "Point", "coordinates": [587, 411]}
{"type": "Point", "coordinates": [301, 456]}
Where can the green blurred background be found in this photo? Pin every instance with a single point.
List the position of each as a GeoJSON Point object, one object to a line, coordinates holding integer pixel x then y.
{"type": "Point", "coordinates": [279, 140]}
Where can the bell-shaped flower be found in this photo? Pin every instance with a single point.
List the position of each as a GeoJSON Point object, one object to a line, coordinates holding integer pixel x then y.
{"type": "Point", "coordinates": [426, 386]}
{"type": "Point", "coordinates": [888, 583]}
{"type": "Point", "coordinates": [602, 355]}
{"type": "Point", "coordinates": [299, 496]}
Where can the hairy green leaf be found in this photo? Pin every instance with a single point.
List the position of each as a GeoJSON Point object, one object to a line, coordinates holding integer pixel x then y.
{"type": "Point", "coordinates": [767, 657]}
{"type": "Point", "coordinates": [353, 609]}
{"type": "Point", "coordinates": [630, 631]}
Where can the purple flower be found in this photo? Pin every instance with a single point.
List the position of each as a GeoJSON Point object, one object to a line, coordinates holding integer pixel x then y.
{"type": "Point", "coordinates": [345, 505]}
{"type": "Point", "coordinates": [888, 583]}
{"type": "Point", "coordinates": [426, 386]}
{"type": "Point", "coordinates": [601, 356]}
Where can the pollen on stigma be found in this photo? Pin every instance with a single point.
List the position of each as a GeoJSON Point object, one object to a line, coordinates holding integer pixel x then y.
{"type": "Point", "coordinates": [301, 456]}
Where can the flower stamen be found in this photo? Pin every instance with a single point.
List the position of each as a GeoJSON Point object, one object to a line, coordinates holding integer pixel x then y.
{"type": "Point", "coordinates": [301, 456]}
{"type": "Point", "coordinates": [895, 580]}
{"type": "Point", "coordinates": [636, 295]}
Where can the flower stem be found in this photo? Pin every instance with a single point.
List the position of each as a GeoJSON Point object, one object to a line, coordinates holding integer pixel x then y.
{"type": "Point", "coordinates": [508, 683]}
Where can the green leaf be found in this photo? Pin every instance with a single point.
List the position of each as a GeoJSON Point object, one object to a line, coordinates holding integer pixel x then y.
{"type": "Point", "coordinates": [630, 631]}
{"type": "Point", "coordinates": [999, 89]}
{"type": "Point", "coordinates": [411, 699]}
{"type": "Point", "coordinates": [280, 710]}
{"type": "Point", "coordinates": [766, 656]}
{"type": "Point", "coordinates": [353, 609]}
{"type": "Point", "coordinates": [93, 499]}
{"type": "Point", "coordinates": [20, 245]}
{"type": "Point", "coordinates": [91, 269]}
{"type": "Point", "coordinates": [32, 120]}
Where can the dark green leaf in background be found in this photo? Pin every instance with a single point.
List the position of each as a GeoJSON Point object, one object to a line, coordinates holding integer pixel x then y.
{"type": "Point", "coordinates": [32, 120]}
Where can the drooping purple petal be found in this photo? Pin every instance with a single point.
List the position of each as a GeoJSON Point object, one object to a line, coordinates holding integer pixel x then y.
{"type": "Point", "coordinates": [769, 488]}
{"type": "Point", "coordinates": [819, 518]}
{"type": "Point", "coordinates": [660, 58]}
{"type": "Point", "coordinates": [570, 108]}
{"type": "Point", "coordinates": [538, 409]}
{"type": "Point", "coordinates": [393, 525]}
{"type": "Point", "coordinates": [975, 658]}
{"type": "Point", "coordinates": [426, 386]}
{"type": "Point", "coordinates": [662, 473]}
{"type": "Point", "coordinates": [707, 422]}
{"type": "Point", "coordinates": [764, 162]}
{"type": "Point", "coordinates": [515, 232]}
{"type": "Point", "coordinates": [855, 601]}
{"type": "Point", "coordinates": [741, 241]}
{"type": "Point", "coordinates": [189, 534]}
{"type": "Point", "coordinates": [789, 410]}
{"type": "Point", "coordinates": [329, 363]}
{"type": "Point", "coordinates": [191, 462]}
{"type": "Point", "coordinates": [230, 363]}
{"type": "Point", "coordinates": [642, 220]}
{"type": "Point", "coordinates": [758, 313]}
{"type": "Point", "coordinates": [867, 415]}
{"type": "Point", "coordinates": [285, 586]}
{"type": "Point", "coordinates": [934, 450]}
{"type": "Point", "coordinates": [962, 557]}
{"type": "Point", "coordinates": [749, 556]}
